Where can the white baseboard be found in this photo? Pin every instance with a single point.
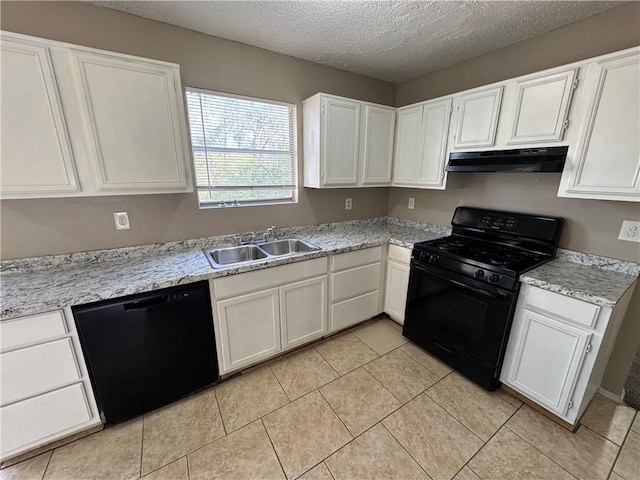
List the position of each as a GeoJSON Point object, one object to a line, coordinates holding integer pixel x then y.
{"type": "Point", "coordinates": [610, 395]}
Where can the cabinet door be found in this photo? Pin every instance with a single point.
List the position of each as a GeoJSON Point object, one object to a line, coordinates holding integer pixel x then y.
{"type": "Point", "coordinates": [542, 107]}
{"type": "Point", "coordinates": [341, 122]}
{"type": "Point", "coordinates": [606, 162]}
{"type": "Point", "coordinates": [435, 126]}
{"type": "Point", "coordinates": [249, 328]}
{"type": "Point", "coordinates": [395, 295]}
{"type": "Point", "coordinates": [36, 153]}
{"type": "Point", "coordinates": [134, 122]}
{"type": "Point", "coordinates": [478, 113]}
{"type": "Point", "coordinates": [377, 149]}
{"type": "Point", "coordinates": [408, 144]}
{"type": "Point", "coordinates": [546, 360]}
{"type": "Point", "coordinates": [303, 309]}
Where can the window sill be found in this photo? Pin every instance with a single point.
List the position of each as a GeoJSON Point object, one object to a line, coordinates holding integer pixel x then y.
{"type": "Point", "coordinates": [216, 205]}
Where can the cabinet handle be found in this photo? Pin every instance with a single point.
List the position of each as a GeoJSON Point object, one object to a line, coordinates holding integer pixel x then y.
{"type": "Point", "coordinates": [570, 404]}
{"type": "Point", "coordinates": [588, 349]}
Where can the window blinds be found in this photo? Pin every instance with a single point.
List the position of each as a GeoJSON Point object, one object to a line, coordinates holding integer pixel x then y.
{"type": "Point", "coordinates": [244, 149]}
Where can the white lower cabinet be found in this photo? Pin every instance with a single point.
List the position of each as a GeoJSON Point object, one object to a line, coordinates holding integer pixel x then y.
{"type": "Point", "coordinates": [559, 348]}
{"type": "Point", "coordinates": [397, 282]}
{"type": "Point", "coordinates": [355, 287]}
{"type": "Point", "coordinates": [249, 328]}
{"type": "Point", "coordinates": [547, 359]}
{"type": "Point", "coordinates": [260, 314]}
{"type": "Point", "coordinates": [46, 394]}
{"type": "Point", "coordinates": [303, 309]}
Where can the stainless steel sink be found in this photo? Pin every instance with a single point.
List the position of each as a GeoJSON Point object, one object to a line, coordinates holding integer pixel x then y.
{"type": "Point", "coordinates": [220, 257]}
{"type": "Point", "coordinates": [285, 247]}
{"type": "Point", "coordinates": [226, 256]}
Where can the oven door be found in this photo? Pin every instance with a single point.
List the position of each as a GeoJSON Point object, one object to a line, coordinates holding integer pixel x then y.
{"type": "Point", "coordinates": [456, 311]}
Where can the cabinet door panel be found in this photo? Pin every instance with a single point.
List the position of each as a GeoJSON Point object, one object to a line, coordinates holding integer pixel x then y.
{"type": "Point", "coordinates": [542, 106]}
{"type": "Point", "coordinates": [349, 312]}
{"type": "Point", "coordinates": [303, 307]}
{"type": "Point", "coordinates": [395, 297]}
{"type": "Point", "coordinates": [32, 370]}
{"type": "Point", "coordinates": [408, 143]}
{"type": "Point", "coordinates": [377, 151]}
{"type": "Point", "coordinates": [478, 118]}
{"type": "Point", "coordinates": [38, 418]}
{"type": "Point", "coordinates": [134, 122]}
{"type": "Point", "coordinates": [435, 130]}
{"type": "Point", "coordinates": [36, 152]}
{"type": "Point", "coordinates": [607, 159]}
{"type": "Point", "coordinates": [250, 328]}
{"type": "Point", "coordinates": [340, 142]}
{"type": "Point", "coordinates": [547, 358]}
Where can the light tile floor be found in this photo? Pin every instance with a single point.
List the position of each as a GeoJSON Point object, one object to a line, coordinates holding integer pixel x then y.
{"type": "Point", "coordinates": [363, 405]}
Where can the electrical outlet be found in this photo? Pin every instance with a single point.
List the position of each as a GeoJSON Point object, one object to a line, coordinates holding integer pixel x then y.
{"type": "Point", "coordinates": [630, 231]}
{"type": "Point", "coordinates": [348, 204]}
{"type": "Point", "coordinates": [412, 203]}
{"type": "Point", "coordinates": [122, 220]}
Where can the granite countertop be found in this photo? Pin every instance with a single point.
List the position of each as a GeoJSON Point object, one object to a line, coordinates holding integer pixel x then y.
{"type": "Point", "coordinates": [47, 283]}
{"type": "Point", "coordinates": [592, 278]}
{"type": "Point", "coordinates": [42, 284]}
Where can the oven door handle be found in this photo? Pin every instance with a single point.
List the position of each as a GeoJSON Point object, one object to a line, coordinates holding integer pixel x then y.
{"type": "Point", "coordinates": [497, 294]}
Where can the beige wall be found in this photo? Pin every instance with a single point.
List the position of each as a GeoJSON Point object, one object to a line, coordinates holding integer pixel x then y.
{"type": "Point", "coordinates": [38, 227]}
{"type": "Point", "coordinates": [591, 225]}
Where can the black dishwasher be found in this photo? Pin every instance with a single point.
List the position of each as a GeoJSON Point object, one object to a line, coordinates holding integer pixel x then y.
{"type": "Point", "coordinates": [147, 350]}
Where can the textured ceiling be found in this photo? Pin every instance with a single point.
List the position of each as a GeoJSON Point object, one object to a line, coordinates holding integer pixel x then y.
{"type": "Point", "coordinates": [389, 40]}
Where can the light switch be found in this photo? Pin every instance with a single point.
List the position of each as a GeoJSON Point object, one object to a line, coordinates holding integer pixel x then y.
{"type": "Point", "coordinates": [412, 203]}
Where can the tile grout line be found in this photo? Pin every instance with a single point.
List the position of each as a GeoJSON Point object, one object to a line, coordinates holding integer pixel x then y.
{"type": "Point", "coordinates": [279, 384]}
{"type": "Point", "coordinates": [141, 444]}
{"type": "Point", "coordinates": [224, 427]}
{"type": "Point", "coordinates": [484, 443]}
{"type": "Point", "coordinates": [328, 469]}
{"type": "Point", "coordinates": [48, 462]}
{"type": "Point", "coordinates": [328, 363]}
{"type": "Point", "coordinates": [613, 465]}
{"type": "Point", "coordinates": [186, 457]}
{"type": "Point", "coordinates": [273, 447]}
{"type": "Point", "coordinates": [404, 448]}
{"type": "Point", "coordinates": [536, 448]}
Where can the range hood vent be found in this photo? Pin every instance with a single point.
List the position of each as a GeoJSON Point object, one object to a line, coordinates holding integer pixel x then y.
{"type": "Point", "coordinates": [549, 159]}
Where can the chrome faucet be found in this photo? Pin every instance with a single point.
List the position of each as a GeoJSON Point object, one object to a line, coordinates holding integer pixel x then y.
{"type": "Point", "coordinates": [272, 232]}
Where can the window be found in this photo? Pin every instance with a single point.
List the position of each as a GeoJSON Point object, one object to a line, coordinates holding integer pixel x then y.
{"type": "Point", "coordinates": [244, 149]}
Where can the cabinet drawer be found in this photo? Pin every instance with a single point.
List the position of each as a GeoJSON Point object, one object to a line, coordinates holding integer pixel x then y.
{"type": "Point", "coordinates": [565, 307]}
{"type": "Point", "coordinates": [38, 418]}
{"type": "Point", "coordinates": [269, 277]}
{"type": "Point", "coordinates": [356, 258]}
{"type": "Point", "coordinates": [355, 282]}
{"type": "Point", "coordinates": [400, 254]}
{"type": "Point", "coordinates": [36, 369]}
{"type": "Point", "coordinates": [354, 310]}
{"type": "Point", "coordinates": [25, 330]}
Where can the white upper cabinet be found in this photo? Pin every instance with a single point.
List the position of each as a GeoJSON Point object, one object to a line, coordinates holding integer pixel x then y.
{"type": "Point", "coordinates": [134, 129]}
{"type": "Point", "coordinates": [604, 161]}
{"type": "Point", "coordinates": [341, 125]}
{"type": "Point", "coordinates": [421, 144]}
{"type": "Point", "coordinates": [347, 143]}
{"type": "Point", "coordinates": [82, 122]}
{"type": "Point", "coordinates": [541, 106]}
{"type": "Point", "coordinates": [378, 128]}
{"type": "Point", "coordinates": [408, 144]}
{"type": "Point", "coordinates": [478, 112]}
{"type": "Point", "coordinates": [36, 152]}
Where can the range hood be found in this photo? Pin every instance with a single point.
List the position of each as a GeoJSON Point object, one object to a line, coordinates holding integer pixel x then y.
{"type": "Point", "coordinates": [549, 159]}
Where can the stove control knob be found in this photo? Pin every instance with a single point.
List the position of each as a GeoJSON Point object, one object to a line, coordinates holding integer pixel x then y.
{"type": "Point", "coordinates": [494, 277]}
{"type": "Point", "coordinates": [479, 273]}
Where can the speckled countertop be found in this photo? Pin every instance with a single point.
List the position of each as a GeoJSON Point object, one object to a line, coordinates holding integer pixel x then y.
{"type": "Point", "coordinates": [47, 283]}
{"type": "Point", "coordinates": [591, 278]}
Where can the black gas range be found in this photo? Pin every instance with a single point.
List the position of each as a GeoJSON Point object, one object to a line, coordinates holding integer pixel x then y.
{"type": "Point", "coordinates": [463, 288]}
